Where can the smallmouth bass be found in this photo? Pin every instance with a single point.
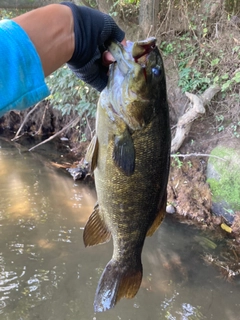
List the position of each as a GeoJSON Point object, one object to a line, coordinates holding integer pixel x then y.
{"type": "Point", "coordinates": [130, 156]}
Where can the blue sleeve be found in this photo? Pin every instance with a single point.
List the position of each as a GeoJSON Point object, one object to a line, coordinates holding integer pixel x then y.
{"type": "Point", "coordinates": [22, 81]}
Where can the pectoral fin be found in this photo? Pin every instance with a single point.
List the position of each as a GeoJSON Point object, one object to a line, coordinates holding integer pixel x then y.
{"type": "Point", "coordinates": [95, 231]}
{"type": "Point", "coordinates": [124, 152]}
{"type": "Point", "coordinates": [92, 154]}
{"type": "Point", "coordinates": [159, 217]}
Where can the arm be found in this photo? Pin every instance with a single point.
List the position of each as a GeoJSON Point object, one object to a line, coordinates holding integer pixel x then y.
{"type": "Point", "coordinates": [35, 44]}
{"type": "Point", "coordinates": [51, 30]}
{"type": "Point", "coordinates": [69, 33]}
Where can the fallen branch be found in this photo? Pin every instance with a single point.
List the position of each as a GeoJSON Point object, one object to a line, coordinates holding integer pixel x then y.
{"type": "Point", "coordinates": [39, 132]}
{"type": "Point", "coordinates": [72, 123]}
{"type": "Point", "coordinates": [17, 136]}
{"type": "Point", "coordinates": [89, 127]}
{"type": "Point", "coordinates": [196, 108]}
{"type": "Point", "coordinates": [195, 155]}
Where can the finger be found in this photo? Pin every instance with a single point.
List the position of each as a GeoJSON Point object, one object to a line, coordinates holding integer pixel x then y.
{"type": "Point", "coordinates": [124, 42]}
{"type": "Point", "coordinates": [107, 57]}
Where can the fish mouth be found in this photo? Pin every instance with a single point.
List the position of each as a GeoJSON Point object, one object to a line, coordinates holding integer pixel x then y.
{"type": "Point", "coordinates": [133, 52]}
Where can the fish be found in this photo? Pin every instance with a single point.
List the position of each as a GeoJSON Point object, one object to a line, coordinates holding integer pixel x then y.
{"type": "Point", "coordinates": [129, 156]}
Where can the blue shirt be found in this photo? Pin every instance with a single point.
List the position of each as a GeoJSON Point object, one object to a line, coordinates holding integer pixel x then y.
{"type": "Point", "coordinates": [22, 81]}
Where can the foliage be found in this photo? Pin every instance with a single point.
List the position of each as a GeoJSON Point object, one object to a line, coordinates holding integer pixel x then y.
{"type": "Point", "coordinates": [9, 14]}
{"type": "Point", "coordinates": [192, 80]}
{"type": "Point", "coordinates": [176, 161]}
{"type": "Point", "coordinates": [227, 187]}
{"type": "Point", "coordinates": [124, 7]}
{"type": "Point", "coordinates": [197, 76]}
{"type": "Point", "coordinates": [201, 50]}
{"type": "Point", "coordinates": [68, 93]}
{"type": "Point", "coordinates": [231, 82]}
{"type": "Point", "coordinates": [235, 126]}
{"type": "Point", "coordinates": [202, 53]}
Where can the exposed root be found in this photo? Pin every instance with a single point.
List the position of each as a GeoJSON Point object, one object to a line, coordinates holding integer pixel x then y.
{"type": "Point", "coordinates": [195, 155]}
{"type": "Point", "coordinates": [17, 136]}
{"type": "Point", "coordinates": [39, 132]}
{"type": "Point", "coordinates": [196, 108]}
{"type": "Point", "coordinates": [72, 123]}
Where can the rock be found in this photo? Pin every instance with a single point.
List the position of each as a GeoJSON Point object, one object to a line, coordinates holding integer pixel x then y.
{"type": "Point", "coordinates": [223, 176]}
{"type": "Point", "coordinates": [223, 209]}
{"type": "Point", "coordinates": [78, 173]}
{"type": "Point", "coordinates": [170, 209]}
{"type": "Point", "coordinates": [235, 20]}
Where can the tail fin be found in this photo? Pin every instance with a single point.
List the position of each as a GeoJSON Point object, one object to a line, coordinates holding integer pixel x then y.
{"type": "Point", "coordinates": [115, 283]}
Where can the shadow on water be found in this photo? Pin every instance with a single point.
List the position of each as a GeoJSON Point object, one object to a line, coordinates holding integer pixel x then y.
{"type": "Point", "coordinates": [47, 274]}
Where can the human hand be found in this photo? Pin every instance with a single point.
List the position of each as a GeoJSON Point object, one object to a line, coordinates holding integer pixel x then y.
{"type": "Point", "coordinates": [93, 31]}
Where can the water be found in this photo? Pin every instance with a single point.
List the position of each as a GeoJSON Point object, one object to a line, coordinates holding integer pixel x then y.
{"type": "Point", "coordinates": [46, 273]}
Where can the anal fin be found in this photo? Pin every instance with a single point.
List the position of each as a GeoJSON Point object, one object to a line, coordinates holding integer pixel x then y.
{"type": "Point", "coordinates": [159, 217]}
{"type": "Point", "coordinates": [95, 231]}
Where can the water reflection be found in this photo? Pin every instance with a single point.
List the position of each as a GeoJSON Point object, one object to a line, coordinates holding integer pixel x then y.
{"type": "Point", "coordinates": [47, 274]}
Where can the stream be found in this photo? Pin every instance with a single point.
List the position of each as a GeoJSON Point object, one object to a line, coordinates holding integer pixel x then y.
{"type": "Point", "coordinates": [46, 273]}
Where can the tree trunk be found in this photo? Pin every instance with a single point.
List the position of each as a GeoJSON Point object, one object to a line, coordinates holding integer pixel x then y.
{"type": "Point", "coordinates": [148, 12]}
{"type": "Point", "coordinates": [106, 6]}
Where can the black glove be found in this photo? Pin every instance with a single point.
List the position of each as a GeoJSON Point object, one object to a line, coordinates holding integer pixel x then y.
{"type": "Point", "coordinates": [93, 30]}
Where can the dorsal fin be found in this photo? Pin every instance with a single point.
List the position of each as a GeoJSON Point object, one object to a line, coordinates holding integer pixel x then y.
{"type": "Point", "coordinates": [92, 154]}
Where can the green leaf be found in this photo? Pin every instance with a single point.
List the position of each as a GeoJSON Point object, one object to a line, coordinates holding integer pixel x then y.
{"type": "Point", "coordinates": [225, 76]}
{"type": "Point", "coordinates": [215, 62]}
{"type": "Point", "coordinates": [226, 85]}
{"type": "Point", "coordinates": [236, 77]}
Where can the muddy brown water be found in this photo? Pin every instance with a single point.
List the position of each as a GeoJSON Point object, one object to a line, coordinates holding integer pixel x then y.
{"type": "Point", "coordinates": [47, 274]}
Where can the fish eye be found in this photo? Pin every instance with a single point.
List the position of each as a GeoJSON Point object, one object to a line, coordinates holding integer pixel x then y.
{"type": "Point", "coordinates": [156, 71]}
